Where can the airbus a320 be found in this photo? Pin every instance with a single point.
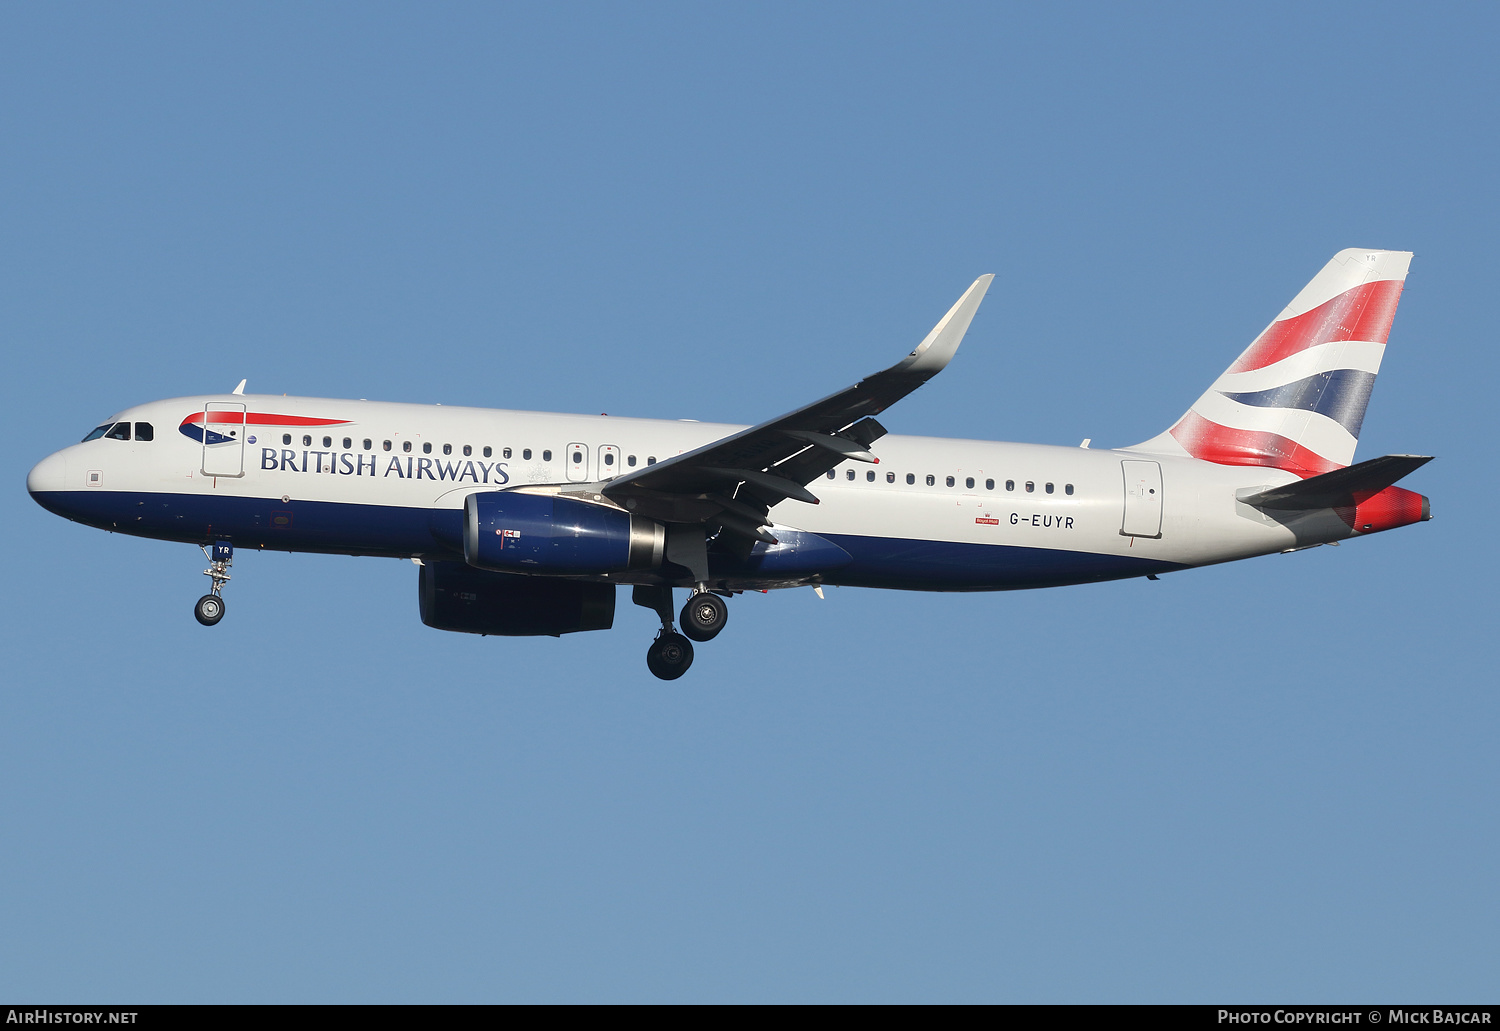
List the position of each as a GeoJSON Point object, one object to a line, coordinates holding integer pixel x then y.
{"type": "Point", "coordinates": [528, 523]}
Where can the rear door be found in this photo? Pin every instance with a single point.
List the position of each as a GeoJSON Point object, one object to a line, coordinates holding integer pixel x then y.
{"type": "Point", "coordinates": [1142, 499]}
{"type": "Point", "coordinates": [223, 439]}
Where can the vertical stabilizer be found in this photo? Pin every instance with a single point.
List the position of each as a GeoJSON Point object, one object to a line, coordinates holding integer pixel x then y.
{"type": "Point", "coordinates": [1296, 398]}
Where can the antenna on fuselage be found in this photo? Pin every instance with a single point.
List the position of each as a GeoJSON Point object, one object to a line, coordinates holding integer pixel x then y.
{"type": "Point", "coordinates": [241, 388]}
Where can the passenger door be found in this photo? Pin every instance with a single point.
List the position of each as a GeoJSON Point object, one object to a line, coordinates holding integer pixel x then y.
{"type": "Point", "coordinates": [1142, 499]}
{"type": "Point", "coordinates": [223, 439]}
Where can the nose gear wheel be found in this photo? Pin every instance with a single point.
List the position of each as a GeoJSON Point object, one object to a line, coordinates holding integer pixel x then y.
{"type": "Point", "coordinates": [209, 610]}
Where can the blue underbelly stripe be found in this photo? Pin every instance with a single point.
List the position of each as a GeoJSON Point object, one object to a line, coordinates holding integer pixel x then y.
{"type": "Point", "coordinates": [895, 562]}
{"type": "Point", "coordinates": [387, 530]}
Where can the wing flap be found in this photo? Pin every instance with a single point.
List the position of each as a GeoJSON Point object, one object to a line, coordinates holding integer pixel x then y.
{"type": "Point", "coordinates": [776, 459]}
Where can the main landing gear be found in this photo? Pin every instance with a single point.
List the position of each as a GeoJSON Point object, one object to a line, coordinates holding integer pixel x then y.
{"type": "Point", "coordinates": [210, 607]}
{"type": "Point", "coordinates": [669, 656]}
{"type": "Point", "coordinates": [703, 617]}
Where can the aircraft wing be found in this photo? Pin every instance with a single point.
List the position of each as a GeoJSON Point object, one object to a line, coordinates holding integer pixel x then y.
{"type": "Point", "coordinates": [732, 482]}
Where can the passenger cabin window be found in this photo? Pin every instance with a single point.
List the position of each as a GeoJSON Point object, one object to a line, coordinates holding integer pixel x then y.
{"type": "Point", "coordinates": [989, 484]}
{"type": "Point", "coordinates": [1068, 489]}
{"type": "Point", "coordinates": [286, 438]}
{"type": "Point", "coordinates": [427, 447]}
{"type": "Point", "coordinates": [890, 477]}
{"type": "Point", "coordinates": [487, 451]}
{"type": "Point", "coordinates": [650, 459]}
{"type": "Point", "coordinates": [143, 431]}
{"type": "Point", "coordinates": [367, 443]}
{"type": "Point", "coordinates": [870, 475]}
{"type": "Point", "coordinates": [447, 449]}
{"type": "Point", "coordinates": [969, 483]}
{"type": "Point", "coordinates": [119, 431]}
{"type": "Point", "coordinates": [97, 432]}
{"type": "Point", "coordinates": [831, 474]}
{"type": "Point", "coordinates": [577, 457]}
{"type": "Point", "coordinates": [307, 440]}
{"type": "Point", "coordinates": [1010, 484]}
{"type": "Point", "coordinates": [469, 450]}
{"type": "Point", "coordinates": [1049, 488]}
{"type": "Point", "coordinates": [505, 453]}
{"type": "Point", "coordinates": [950, 481]}
{"type": "Point", "coordinates": [328, 442]}
{"type": "Point", "coordinates": [911, 478]}
{"type": "Point", "coordinates": [630, 461]}
{"type": "Point", "coordinates": [526, 454]}
{"type": "Point", "coordinates": [609, 458]}
{"type": "Point", "coordinates": [931, 479]}
{"type": "Point", "coordinates": [406, 446]}
{"type": "Point", "coordinates": [849, 473]}
{"type": "Point", "coordinates": [546, 456]}
{"type": "Point", "coordinates": [348, 443]}
{"type": "Point", "coordinates": [1030, 487]}
{"type": "Point", "coordinates": [385, 445]}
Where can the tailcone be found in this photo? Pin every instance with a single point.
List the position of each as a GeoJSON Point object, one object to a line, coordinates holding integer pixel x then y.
{"type": "Point", "coordinates": [1374, 511]}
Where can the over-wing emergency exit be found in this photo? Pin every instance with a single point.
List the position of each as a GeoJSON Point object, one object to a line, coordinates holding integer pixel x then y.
{"type": "Point", "coordinates": [528, 523]}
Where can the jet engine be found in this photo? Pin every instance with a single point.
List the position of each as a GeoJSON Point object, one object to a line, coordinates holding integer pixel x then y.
{"type": "Point", "coordinates": [511, 532]}
{"type": "Point", "coordinates": [453, 596]}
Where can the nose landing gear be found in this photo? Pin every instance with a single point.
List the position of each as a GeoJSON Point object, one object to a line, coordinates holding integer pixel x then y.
{"type": "Point", "coordinates": [210, 608]}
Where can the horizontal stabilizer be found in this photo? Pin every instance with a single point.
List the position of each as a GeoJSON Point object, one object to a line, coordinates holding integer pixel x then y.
{"type": "Point", "coordinates": [1335, 489]}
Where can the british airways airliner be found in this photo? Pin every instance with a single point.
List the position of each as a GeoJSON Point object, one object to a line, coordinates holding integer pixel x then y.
{"type": "Point", "coordinates": [525, 523]}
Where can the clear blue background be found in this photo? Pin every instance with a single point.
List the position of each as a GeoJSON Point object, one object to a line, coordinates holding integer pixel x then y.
{"type": "Point", "coordinates": [1274, 780]}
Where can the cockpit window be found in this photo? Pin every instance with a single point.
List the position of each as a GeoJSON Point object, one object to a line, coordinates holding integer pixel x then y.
{"type": "Point", "coordinates": [119, 431]}
{"type": "Point", "coordinates": [97, 432]}
{"type": "Point", "coordinates": [143, 431]}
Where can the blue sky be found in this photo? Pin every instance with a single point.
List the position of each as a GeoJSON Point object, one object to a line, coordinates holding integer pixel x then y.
{"type": "Point", "coordinates": [1273, 780]}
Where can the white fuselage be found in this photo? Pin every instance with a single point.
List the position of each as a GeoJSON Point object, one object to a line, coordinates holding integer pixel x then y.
{"type": "Point", "coordinates": [362, 477]}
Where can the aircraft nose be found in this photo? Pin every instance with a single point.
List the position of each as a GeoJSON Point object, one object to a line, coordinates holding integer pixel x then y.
{"type": "Point", "coordinates": [47, 476]}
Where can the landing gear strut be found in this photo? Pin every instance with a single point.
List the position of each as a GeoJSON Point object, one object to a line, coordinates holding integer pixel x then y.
{"type": "Point", "coordinates": [210, 607]}
{"type": "Point", "coordinates": [670, 654]}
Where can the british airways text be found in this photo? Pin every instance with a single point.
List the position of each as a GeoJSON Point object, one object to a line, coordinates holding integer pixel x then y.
{"type": "Point", "coordinates": [405, 467]}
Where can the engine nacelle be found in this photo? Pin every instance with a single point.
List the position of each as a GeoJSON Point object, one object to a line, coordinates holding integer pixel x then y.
{"type": "Point", "coordinates": [453, 596]}
{"type": "Point", "coordinates": [512, 532]}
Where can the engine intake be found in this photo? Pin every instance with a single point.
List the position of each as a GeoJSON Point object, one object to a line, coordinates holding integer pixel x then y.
{"type": "Point", "coordinates": [512, 532]}
{"type": "Point", "coordinates": [453, 596]}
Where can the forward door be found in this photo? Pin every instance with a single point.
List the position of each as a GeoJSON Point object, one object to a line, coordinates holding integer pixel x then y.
{"type": "Point", "coordinates": [223, 439]}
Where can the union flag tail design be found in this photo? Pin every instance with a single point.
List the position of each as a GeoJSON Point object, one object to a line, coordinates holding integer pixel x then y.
{"type": "Point", "coordinates": [1296, 398]}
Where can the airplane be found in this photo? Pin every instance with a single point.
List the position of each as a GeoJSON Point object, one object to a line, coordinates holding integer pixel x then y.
{"type": "Point", "coordinates": [526, 523]}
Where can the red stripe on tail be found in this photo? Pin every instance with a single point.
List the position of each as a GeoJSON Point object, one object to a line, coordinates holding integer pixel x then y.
{"type": "Point", "coordinates": [1363, 313]}
{"type": "Point", "coordinates": [1226, 446]}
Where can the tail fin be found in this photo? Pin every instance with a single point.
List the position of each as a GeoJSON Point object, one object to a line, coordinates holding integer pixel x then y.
{"type": "Point", "coordinates": [1296, 398]}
